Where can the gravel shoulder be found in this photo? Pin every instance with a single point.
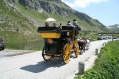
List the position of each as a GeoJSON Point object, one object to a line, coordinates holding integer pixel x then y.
{"type": "Point", "coordinates": [9, 53]}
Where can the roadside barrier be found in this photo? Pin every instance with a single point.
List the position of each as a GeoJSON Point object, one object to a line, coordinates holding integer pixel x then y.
{"type": "Point", "coordinates": [96, 51]}
{"type": "Point", "coordinates": [81, 67]}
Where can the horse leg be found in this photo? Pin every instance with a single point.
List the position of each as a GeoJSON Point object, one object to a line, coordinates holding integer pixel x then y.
{"type": "Point", "coordinates": [84, 45]}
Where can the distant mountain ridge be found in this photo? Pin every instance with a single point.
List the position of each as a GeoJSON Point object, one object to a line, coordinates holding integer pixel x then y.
{"type": "Point", "coordinates": [114, 28]}
{"type": "Point", "coordinates": [59, 8]}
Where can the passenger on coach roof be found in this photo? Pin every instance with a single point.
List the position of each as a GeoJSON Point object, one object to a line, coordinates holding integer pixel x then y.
{"type": "Point", "coordinates": [54, 24]}
{"type": "Point", "coordinates": [69, 23]}
{"type": "Point", "coordinates": [46, 24]}
{"type": "Point", "coordinates": [75, 23]}
{"type": "Point", "coordinates": [60, 26]}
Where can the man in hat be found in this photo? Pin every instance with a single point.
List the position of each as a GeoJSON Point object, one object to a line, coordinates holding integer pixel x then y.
{"type": "Point", "coordinates": [76, 24]}
{"type": "Point", "coordinates": [77, 28]}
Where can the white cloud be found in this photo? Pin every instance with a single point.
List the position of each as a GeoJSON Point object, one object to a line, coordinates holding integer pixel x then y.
{"type": "Point", "coordinates": [70, 4]}
{"type": "Point", "coordinates": [82, 3]}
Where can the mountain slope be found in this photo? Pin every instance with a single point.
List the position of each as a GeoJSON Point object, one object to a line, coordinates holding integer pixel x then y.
{"type": "Point", "coordinates": [114, 28]}
{"type": "Point", "coordinates": [22, 17]}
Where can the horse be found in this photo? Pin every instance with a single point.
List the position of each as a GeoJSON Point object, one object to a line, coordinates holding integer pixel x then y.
{"type": "Point", "coordinates": [87, 43]}
{"type": "Point", "coordinates": [82, 43]}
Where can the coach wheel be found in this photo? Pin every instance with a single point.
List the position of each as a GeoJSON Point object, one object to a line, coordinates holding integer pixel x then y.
{"type": "Point", "coordinates": [45, 56]}
{"type": "Point", "coordinates": [66, 54]}
{"type": "Point", "coordinates": [76, 49]}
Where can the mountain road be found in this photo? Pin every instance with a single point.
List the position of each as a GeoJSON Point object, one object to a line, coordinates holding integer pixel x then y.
{"type": "Point", "coordinates": [32, 65]}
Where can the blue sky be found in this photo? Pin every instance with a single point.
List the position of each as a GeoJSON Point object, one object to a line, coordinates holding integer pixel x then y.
{"type": "Point", "coordinates": [105, 11]}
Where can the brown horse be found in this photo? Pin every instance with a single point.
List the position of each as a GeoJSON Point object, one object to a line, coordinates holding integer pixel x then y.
{"type": "Point", "coordinates": [82, 44]}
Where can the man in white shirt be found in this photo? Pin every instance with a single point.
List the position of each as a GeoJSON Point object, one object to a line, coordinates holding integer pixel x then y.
{"type": "Point", "coordinates": [75, 23]}
{"type": "Point", "coordinates": [69, 23]}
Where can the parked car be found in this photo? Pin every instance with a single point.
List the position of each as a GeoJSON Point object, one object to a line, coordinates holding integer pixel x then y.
{"type": "Point", "coordinates": [2, 46]}
{"type": "Point", "coordinates": [110, 37]}
{"type": "Point", "coordinates": [104, 37]}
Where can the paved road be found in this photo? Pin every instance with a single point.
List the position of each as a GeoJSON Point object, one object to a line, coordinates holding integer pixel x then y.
{"type": "Point", "coordinates": [32, 65]}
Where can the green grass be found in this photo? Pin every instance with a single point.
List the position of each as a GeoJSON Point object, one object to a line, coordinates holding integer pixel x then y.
{"type": "Point", "coordinates": [107, 64]}
{"type": "Point", "coordinates": [13, 37]}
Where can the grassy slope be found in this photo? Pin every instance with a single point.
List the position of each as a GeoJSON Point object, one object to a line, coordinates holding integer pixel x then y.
{"type": "Point", "coordinates": [11, 21]}
{"type": "Point", "coordinates": [107, 64]}
{"type": "Point", "coordinates": [17, 20]}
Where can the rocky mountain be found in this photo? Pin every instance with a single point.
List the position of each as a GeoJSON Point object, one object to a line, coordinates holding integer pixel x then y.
{"type": "Point", "coordinates": [114, 28]}
{"type": "Point", "coordinates": [22, 17]}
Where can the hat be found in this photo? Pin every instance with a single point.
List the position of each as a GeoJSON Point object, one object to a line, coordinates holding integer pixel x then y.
{"type": "Point", "coordinates": [68, 21]}
{"type": "Point", "coordinates": [74, 20]}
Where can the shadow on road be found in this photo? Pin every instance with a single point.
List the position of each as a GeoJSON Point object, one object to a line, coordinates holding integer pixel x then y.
{"type": "Point", "coordinates": [43, 65]}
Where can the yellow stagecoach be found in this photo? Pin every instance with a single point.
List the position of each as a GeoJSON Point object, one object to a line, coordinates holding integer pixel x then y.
{"type": "Point", "coordinates": [59, 42]}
